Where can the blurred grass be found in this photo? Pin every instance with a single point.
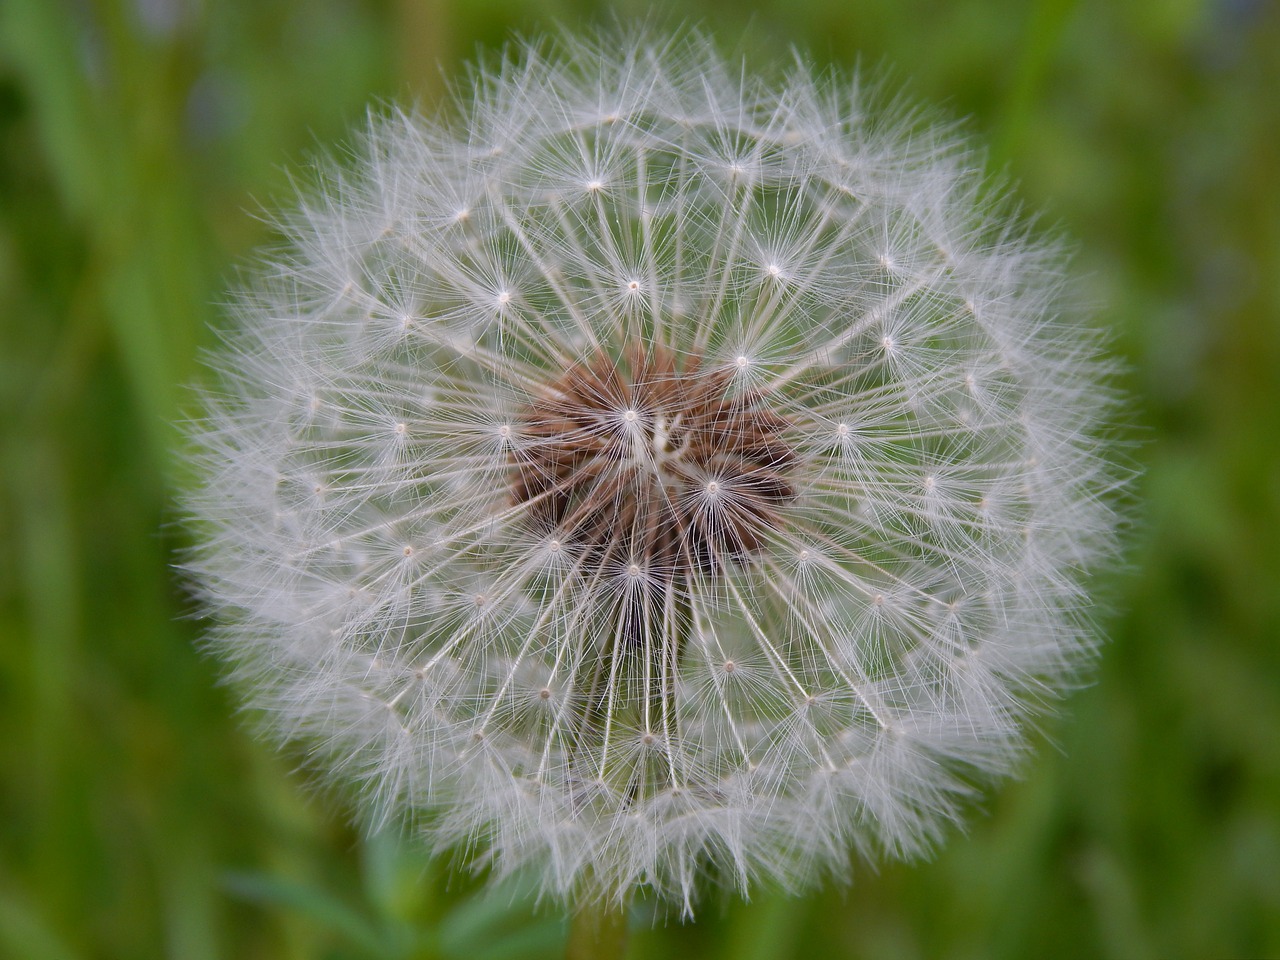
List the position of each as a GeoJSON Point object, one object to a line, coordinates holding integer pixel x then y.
{"type": "Point", "coordinates": [137, 142]}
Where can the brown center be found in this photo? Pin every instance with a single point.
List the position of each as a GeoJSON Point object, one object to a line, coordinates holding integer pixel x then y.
{"type": "Point", "coordinates": [646, 467]}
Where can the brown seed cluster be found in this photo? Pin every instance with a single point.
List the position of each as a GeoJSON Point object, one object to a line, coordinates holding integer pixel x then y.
{"type": "Point", "coordinates": [647, 465]}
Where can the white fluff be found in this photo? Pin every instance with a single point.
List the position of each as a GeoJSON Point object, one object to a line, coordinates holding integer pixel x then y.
{"type": "Point", "coordinates": [842, 687]}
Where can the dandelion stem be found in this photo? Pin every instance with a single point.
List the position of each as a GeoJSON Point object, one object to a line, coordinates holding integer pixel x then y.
{"type": "Point", "coordinates": [597, 931]}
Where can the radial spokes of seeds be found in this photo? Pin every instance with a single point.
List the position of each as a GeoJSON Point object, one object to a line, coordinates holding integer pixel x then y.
{"type": "Point", "coordinates": [647, 471]}
{"type": "Point", "coordinates": [656, 467]}
{"type": "Point", "coordinates": [652, 475]}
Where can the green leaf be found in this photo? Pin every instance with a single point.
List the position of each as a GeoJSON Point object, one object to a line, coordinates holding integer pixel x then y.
{"type": "Point", "coordinates": [324, 910]}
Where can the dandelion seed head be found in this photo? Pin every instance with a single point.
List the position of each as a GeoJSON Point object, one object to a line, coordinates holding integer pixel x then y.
{"type": "Point", "coordinates": [656, 474]}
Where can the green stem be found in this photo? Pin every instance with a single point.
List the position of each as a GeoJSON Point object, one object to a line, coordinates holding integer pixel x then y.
{"type": "Point", "coordinates": [597, 931]}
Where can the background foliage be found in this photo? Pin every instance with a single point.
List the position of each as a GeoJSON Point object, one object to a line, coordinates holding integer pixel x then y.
{"type": "Point", "coordinates": [138, 140]}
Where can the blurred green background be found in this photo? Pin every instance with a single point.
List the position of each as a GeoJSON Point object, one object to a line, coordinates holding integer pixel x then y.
{"type": "Point", "coordinates": [139, 141]}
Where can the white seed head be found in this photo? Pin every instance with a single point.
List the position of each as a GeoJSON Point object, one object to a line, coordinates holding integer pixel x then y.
{"type": "Point", "coordinates": [712, 567]}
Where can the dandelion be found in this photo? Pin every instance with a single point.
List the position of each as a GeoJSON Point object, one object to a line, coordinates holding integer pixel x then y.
{"type": "Point", "coordinates": [654, 474]}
